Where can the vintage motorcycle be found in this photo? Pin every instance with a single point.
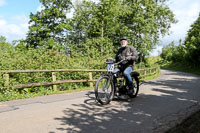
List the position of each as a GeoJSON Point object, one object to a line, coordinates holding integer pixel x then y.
{"type": "Point", "coordinates": [113, 84]}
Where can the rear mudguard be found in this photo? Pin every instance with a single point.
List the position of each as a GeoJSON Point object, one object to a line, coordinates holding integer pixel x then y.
{"type": "Point", "coordinates": [135, 74]}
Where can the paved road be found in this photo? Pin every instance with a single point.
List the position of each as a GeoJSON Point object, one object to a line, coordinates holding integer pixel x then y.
{"type": "Point", "coordinates": [162, 103]}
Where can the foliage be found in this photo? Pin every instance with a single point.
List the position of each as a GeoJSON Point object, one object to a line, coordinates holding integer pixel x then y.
{"type": "Point", "coordinates": [50, 25]}
{"type": "Point", "coordinates": [19, 58]}
{"type": "Point", "coordinates": [172, 52]}
{"type": "Point", "coordinates": [192, 43]}
{"type": "Point", "coordinates": [141, 21]}
{"type": "Point", "coordinates": [99, 25]}
{"type": "Point", "coordinates": [85, 41]}
{"type": "Point", "coordinates": [187, 52]}
{"type": "Point", "coordinates": [14, 58]}
{"type": "Point", "coordinates": [2, 39]}
{"type": "Point", "coordinates": [181, 66]}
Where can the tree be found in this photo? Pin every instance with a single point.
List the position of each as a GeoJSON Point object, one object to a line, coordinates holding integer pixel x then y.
{"type": "Point", "coordinates": [187, 52]}
{"type": "Point", "coordinates": [146, 21]}
{"type": "Point", "coordinates": [4, 46]}
{"type": "Point", "coordinates": [94, 23]}
{"type": "Point", "coordinates": [142, 21]}
{"type": "Point", "coordinates": [192, 43]}
{"type": "Point", "coordinates": [167, 51]}
{"type": "Point", "coordinates": [49, 27]}
{"type": "Point", "coordinates": [2, 39]}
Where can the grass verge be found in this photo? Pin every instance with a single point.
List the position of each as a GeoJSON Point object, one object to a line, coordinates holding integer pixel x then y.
{"type": "Point", "coordinates": [150, 77]}
{"type": "Point", "coordinates": [189, 125]}
{"type": "Point", "coordinates": [181, 67]}
{"type": "Point", "coordinates": [8, 96]}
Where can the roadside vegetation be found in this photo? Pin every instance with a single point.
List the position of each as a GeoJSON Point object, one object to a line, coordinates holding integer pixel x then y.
{"type": "Point", "coordinates": [85, 41]}
{"type": "Point", "coordinates": [181, 67]}
{"type": "Point", "coordinates": [185, 57]}
{"type": "Point", "coordinates": [189, 125]}
{"type": "Point", "coordinates": [12, 58]}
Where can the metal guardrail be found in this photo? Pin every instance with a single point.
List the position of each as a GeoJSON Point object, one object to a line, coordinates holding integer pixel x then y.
{"type": "Point", "coordinates": [54, 82]}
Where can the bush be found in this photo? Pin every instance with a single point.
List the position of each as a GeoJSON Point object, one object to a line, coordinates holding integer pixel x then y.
{"type": "Point", "coordinates": [40, 59]}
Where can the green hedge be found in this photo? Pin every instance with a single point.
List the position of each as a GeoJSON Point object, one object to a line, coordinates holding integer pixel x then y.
{"type": "Point", "coordinates": [37, 59]}
{"type": "Point", "coordinates": [40, 59]}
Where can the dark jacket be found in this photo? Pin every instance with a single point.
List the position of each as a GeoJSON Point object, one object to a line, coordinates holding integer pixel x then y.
{"type": "Point", "coordinates": [123, 52]}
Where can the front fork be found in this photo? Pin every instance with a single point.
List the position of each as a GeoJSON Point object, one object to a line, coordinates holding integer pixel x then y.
{"type": "Point", "coordinates": [115, 83]}
{"type": "Point", "coordinates": [113, 79]}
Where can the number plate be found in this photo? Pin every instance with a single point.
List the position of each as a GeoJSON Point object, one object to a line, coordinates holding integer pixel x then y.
{"type": "Point", "coordinates": [110, 67]}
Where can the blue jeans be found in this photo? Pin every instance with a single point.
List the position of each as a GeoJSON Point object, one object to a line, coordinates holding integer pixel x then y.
{"type": "Point", "coordinates": [127, 75]}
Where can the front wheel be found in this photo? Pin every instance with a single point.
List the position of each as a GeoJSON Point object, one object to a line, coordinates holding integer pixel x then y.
{"type": "Point", "coordinates": [104, 90]}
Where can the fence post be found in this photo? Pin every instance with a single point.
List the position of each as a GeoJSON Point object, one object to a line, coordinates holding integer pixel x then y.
{"type": "Point", "coordinates": [6, 77]}
{"type": "Point", "coordinates": [54, 79]}
{"type": "Point", "coordinates": [90, 77]}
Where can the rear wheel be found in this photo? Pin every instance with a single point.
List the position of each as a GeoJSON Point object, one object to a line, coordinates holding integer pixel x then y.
{"type": "Point", "coordinates": [136, 87]}
{"type": "Point", "coordinates": [104, 90]}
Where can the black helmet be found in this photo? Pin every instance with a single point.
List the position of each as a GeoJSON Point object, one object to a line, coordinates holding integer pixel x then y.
{"type": "Point", "coordinates": [124, 38]}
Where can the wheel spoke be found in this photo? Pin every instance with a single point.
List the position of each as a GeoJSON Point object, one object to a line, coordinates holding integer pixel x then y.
{"type": "Point", "coordinates": [103, 90]}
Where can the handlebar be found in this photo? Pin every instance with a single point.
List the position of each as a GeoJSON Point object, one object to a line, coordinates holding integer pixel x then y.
{"type": "Point", "coordinates": [120, 62]}
{"type": "Point", "coordinates": [116, 62]}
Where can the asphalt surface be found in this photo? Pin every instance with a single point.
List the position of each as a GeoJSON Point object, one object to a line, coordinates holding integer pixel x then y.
{"type": "Point", "coordinates": [161, 104]}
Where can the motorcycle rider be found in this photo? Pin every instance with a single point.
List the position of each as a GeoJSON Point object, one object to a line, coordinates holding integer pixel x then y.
{"type": "Point", "coordinates": [129, 55]}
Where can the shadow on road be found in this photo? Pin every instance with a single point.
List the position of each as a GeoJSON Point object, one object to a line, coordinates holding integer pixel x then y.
{"type": "Point", "coordinates": [161, 104]}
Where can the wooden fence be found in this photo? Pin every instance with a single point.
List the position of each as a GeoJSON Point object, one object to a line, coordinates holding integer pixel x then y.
{"type": "Point", "coordinates": [143, 73]}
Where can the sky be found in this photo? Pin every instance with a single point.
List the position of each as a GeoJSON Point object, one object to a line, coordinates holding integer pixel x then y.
{"type": "Point", "coordinates": [14, 17]}
{"type": "Point", "coordinates": [186, 12]}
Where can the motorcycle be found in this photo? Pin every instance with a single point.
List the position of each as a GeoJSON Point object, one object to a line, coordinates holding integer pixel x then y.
{"type": "Point", "coordinates": [113, 84]}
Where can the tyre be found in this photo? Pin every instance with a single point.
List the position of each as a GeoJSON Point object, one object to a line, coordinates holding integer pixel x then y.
{"type": "Point", "coordinates": [104, 90]}
{"type": "Point", "coordinates": [136, 87]}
